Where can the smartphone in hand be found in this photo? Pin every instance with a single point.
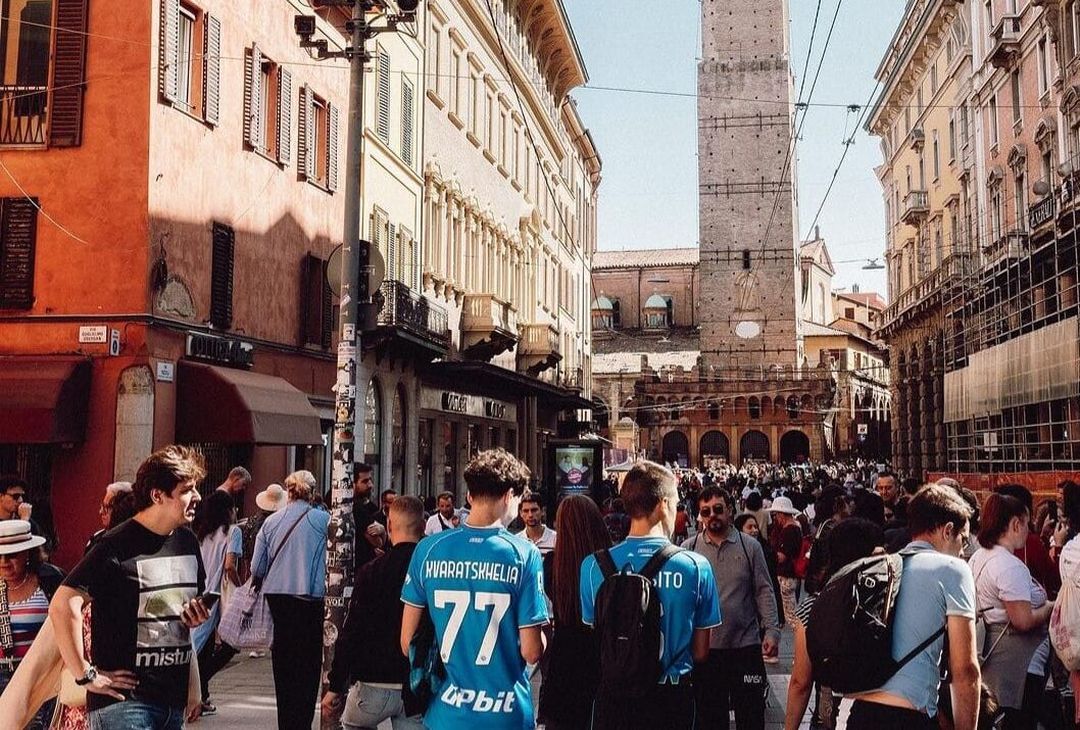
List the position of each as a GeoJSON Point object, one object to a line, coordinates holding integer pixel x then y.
{"type": "Point", "coordinates": [209, 599]}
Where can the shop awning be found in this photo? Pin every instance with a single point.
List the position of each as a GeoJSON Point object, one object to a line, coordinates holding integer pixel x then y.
{"type": "Point", "coordinates": [501, 382]}
{"type": "Point", "coordinates": [43, 400]}
{"type": "Point", "coordinates": [227, 406]}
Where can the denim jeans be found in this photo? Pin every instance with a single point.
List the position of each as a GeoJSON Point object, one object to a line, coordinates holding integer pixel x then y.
{"type": "Point", "coordinates": [41, 719]}
{"type": "Point", "coordinates": [133, 714]}
{"type": "Point", "coordinates": [367, 706]}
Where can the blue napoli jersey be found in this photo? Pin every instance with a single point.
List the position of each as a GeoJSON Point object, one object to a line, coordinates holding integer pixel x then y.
{"type": "Point", "coordinates": [687, 590]}
{"type": "Point", "coordinates": [480, 585]}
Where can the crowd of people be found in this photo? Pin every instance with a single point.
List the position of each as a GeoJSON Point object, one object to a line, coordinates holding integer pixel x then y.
{"type": "Point", "coordinates": [657, 605]}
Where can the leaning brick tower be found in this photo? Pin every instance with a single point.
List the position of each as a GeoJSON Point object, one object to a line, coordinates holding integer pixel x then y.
{"type": "Point", "coordinates": [748, 208]}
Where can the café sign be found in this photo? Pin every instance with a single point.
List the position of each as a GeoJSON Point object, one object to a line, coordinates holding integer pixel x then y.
{"type": "Point", "coordinates": [220, 350]}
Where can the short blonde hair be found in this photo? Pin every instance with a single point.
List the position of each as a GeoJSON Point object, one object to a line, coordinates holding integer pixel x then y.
{"type": "Point", "coordinates": [300, 485]}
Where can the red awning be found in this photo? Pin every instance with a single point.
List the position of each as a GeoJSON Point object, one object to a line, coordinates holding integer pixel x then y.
{"type": "Point", "coordinates": [227, 406]}
{"type": "Point", "coordinates": [43, 400]}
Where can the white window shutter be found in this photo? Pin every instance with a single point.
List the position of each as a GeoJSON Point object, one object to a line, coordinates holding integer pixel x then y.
{"type": "Point", "coordinates": [303, 133]}
{"type": "Point", "coordinates": [284, 120]}
{"type": "Point", "coordinates": [406, 122]}
{"type": "Point", "coordinates": [392, 269]}
{"type": "Point", "coordinates": [252, 97]}
{"type": "Point", "coordinates": [382, 123]}
{"type": "Point", "coordinates": [212, 71]}
{"type": "Point", "coordinates": [332, 145]}
{"type": "Point", "coordinates": [169, 50]}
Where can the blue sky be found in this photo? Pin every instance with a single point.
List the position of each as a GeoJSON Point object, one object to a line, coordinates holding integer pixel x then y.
{"type": "Point", "coordinates": [648, 142]}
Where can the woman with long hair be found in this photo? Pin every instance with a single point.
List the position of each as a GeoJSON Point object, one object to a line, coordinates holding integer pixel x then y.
{"type": "Point", "coordinates": [221, 545]}
{"type": "Point", "coordinates": [1015, 611]}
{"type": "Point", "coordinates": [571, 663]}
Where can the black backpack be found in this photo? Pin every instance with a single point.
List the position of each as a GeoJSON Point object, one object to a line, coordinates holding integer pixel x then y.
{"type": "Point", "coordinates": [850, 630]}
{"type": "Point", "coordinates": [628, 626]}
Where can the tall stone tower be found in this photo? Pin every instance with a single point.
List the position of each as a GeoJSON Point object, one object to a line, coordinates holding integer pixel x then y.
{"type": "Point", "coordinates": [749, 218]}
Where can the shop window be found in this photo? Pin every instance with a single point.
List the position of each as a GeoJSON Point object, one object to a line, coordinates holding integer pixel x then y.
{"type": "Point", "coordinates": [372, 427]}
{"type": "Point", "coordinates": [397, 441]}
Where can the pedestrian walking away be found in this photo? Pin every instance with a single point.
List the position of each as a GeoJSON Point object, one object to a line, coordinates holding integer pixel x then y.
{"type": "Point", "coordinates": [685, 609]}
{"type": "Point", "coordinates": [483, 588]}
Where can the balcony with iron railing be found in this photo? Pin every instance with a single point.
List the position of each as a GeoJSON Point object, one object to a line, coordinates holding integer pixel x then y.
{"type": "Point", "coordinates": [573, 378]}
{"type": "Point", "coordinates": [404, 308]}
{"type": "Point", "coordinates": [952, 270]}
{"type": "Point", "coordinates": [23, 114]}
{"type": "Point", "coordinates": [488, 326]}
{"type": "Point", "coordinates": [916, 207]}
{"type": "Point", "coordinates": [1005, 41]}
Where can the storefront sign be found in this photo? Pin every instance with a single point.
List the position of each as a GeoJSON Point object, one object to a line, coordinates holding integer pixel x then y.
{"type": "Point", "coordinates": [448, 401]}
{"type": "Point", "coordinates": [93, 335]}
{"type": "Point", "coordinates": [220, 350]}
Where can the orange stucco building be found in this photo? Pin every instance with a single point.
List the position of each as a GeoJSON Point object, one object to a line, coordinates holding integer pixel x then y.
{"type": "Point", "coordinates": [166, 189]}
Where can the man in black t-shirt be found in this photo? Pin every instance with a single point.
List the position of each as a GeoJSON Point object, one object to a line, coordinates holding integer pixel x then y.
{"type": "Point", "coordinates": [369, 534]}
{"type": "Point", "coordinates": [143, 578]}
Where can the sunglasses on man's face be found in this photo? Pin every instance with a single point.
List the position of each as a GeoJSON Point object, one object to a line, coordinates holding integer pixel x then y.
{"type": "Point", "coordinates": [710, 511]}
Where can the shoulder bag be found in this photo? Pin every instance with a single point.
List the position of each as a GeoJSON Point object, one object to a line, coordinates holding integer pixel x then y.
{"type": "Point", "coordinates": [246, 622]}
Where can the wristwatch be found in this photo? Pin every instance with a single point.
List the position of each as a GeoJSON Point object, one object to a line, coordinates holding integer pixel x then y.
{"type": "Point", "coordinates": [90, 676]}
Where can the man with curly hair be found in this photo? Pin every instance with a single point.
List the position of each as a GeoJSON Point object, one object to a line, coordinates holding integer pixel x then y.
{"type": "Point", "coordinates": [483, 588]}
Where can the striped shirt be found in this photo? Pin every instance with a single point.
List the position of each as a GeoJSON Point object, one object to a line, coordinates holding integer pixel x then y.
{"type": "Point", "coordinates": [27, 617]}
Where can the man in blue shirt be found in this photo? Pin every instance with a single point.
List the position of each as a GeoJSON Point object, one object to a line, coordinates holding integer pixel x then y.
{"type": "Point", "coordinates": [484, 590]}
{"type": "Point", "coordinates": [936, 590]}
{"type": "Point", "coordinates": [688, 599]}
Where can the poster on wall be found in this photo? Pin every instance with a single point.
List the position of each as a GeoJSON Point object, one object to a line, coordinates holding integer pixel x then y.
{"type": "Point", "coordinates": [573, 470]}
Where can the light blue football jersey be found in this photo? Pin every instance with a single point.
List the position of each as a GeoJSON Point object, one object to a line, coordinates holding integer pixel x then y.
{"type": "Point", "coordinates": [687, 590]}
{"type": "Point", "coordinates": [480, 586]}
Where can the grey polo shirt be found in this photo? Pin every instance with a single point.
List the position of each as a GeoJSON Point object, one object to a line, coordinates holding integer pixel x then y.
{"type": "Point", "coordinates": [746, 594]}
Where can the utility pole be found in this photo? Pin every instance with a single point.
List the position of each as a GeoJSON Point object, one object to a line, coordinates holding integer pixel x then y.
{"type": "Point", "coordinates": [356, 312]}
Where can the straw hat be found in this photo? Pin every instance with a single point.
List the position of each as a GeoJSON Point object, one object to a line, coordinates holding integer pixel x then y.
{"type": "Point", "coordinates": [272, 498]}
{"type": "Point", "coordinates": [15, 537]}
{"type": "Point", "coordinates": [783, 505]}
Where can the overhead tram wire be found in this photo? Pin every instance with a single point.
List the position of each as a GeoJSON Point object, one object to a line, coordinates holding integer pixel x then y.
{"type": "Point", "coordinates": [797, 130]}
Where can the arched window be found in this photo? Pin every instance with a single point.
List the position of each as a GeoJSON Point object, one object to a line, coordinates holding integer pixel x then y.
{"type": "Point", "coordinates": [372, 427]}
{"type": "Point", "coordinates": [397, 479]}
{"type": "Point", "coordinates": [754, 406]}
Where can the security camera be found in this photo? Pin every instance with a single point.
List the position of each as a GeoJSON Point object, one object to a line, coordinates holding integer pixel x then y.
{"type": "Point", "coordinates": [304, 25]}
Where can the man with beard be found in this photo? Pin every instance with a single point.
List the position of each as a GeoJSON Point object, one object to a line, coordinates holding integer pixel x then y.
{"type": "Point", "coordinates": [734, 674]}
{"type": "Point", "coordinates": [369, 533]}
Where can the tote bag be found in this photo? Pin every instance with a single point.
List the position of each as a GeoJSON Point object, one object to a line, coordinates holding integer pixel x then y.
{"type": "Point", "coordinates": [246, 623]}
{"type": "Point", "coordinates": [1065, 620]}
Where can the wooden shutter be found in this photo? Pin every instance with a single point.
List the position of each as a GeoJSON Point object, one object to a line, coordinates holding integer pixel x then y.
{"type": "Point", "coordinates": [18, 236]}
{"type": "Point", "coordinates": [221, 276]}
{"type": "Point", "coordinates": [408, 258]}
{"type": "Point", "coordinates": [212, 70]}
{"type": "Point", "coordinates": [169, 50]}
{"type": "Point", "coordinates": [284, 120]}
{"type": "Point", "coordinates": [332, 147]}
{"type": "Point", "coordinates": [303, 133]}
{"type": "Point", "coordinates": [407, 121]}
{"type": "Point", "coordinates": [317, 306]}
{"type": "Point", "coordinates": [382, 121]}
{"type": "Point", "coordinates": [252, 97]}
{"type": "Point", "coordinates": [392, 269]}
{"type": "Point", "coordinates": [68, 74]}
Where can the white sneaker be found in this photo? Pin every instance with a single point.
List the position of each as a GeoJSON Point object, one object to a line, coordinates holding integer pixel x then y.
{"type": "Point", "coordinates": [257, 654]}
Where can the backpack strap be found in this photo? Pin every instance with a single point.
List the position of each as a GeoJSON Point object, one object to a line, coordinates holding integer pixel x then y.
{"type": "Point", "coordinates": [656, 562]}
{"type": "Point", "coordinates": [605, 562]}
{"type": "Point", "coordinates": [921, 647]}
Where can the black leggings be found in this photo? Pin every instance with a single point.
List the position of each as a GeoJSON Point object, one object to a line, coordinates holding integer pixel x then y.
{"type": "Point", "coordinates": [1037, 709]}
{"type": "Point", "coordinates": [212, 659]}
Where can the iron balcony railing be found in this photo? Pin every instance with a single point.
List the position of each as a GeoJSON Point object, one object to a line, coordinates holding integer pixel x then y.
{"type": "Point", "coordinates": [952, 270]}
{"type": "Point", "coordinates": [23, 114]}
{"type": "Point", "coordinates": [405, 308]}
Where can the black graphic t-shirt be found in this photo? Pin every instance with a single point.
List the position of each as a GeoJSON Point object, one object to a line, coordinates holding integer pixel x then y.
{"type": "Point", "coordinates": [138, 581]}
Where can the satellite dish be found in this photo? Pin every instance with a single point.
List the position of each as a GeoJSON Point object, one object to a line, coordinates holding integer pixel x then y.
{"type": "Point", "coordinates": [376, 273]}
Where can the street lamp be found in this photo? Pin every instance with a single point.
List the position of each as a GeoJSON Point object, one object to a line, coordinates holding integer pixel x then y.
{"type": "Point", "coordinates": [356, 309]}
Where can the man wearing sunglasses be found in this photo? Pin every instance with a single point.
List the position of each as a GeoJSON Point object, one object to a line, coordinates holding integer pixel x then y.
{"type": "Point", "coordinates": [733, 677]}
